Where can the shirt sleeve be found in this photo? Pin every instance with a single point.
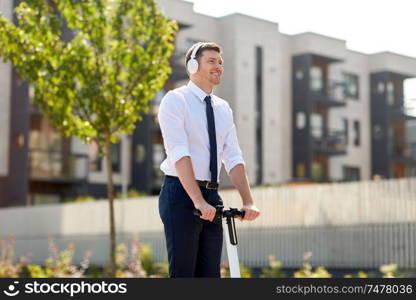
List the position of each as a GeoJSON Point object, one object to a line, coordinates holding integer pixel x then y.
{"type": "Point", "coordinates": [171, 118]}
{"type": "Point", "coordinates": [232, 154]}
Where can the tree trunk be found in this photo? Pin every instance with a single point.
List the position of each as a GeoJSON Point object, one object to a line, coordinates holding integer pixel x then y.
{"type": "Point", "coordinates": [110, 195]}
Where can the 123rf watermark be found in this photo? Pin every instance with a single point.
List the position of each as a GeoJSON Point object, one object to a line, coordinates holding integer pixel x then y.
{"type": "Point", "coordinates": [68, 288]}
{"type": "Point", "coordinates": [364, 289]}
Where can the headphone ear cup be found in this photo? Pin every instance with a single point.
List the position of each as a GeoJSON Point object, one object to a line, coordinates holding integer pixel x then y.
{"type": "Point", "coordinates": [192, 66]}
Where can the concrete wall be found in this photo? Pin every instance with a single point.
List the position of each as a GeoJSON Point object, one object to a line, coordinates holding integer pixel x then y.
{"type": "Point", "coordinates": [314, 43]}
{"type": "Point", "coordinates": [5, 96]}
{"type": "Point", "coordinates": [362, 224]}
{"type": "Point", "coordinates": [393, 62]}
{"type": "Point", "coordinates": [246, 33]}
{"type": "Point", "coordinates": [356, 109]}
{"type": "Point", "coordinates": [285, 107]}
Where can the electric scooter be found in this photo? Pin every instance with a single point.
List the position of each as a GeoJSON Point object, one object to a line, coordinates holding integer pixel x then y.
{"type": "Point", "coordinates": [230, 234]}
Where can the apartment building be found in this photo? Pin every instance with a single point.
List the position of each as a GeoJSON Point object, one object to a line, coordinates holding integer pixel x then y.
{"type": "Point", "coordinates": [306, 108]}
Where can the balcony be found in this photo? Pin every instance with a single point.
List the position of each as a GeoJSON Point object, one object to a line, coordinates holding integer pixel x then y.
{"type": "Point", "coordinates": [404, 152]}
{"type": "Point", "coordinates": [330, 96]}
{"type": "Point", "coordinates": [402, 111]}
{"type": "Point", "coordinates": [56, 166]}
{"type": "Point", "coordinates": [333, 143]}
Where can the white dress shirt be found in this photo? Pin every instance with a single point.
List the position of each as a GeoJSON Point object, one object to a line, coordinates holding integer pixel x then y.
{"type": "Point", "coordinates": [183, 121]}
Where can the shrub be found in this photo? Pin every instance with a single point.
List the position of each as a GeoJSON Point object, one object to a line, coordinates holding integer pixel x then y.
{"type": "Point", "coordinates": [139, 262]}
{"type": "Point", "coordinates": [274, 270]}
{"type": "Point", "coordinates": [360, 274]}
{"type": "Point", "coordinates": [60, 264]}
{"type": "Point", "coordinates": [307, 272]}
{"type": "Point", "coordinates": [79, 199]}
{"type": "Point", "coordinates": [151, 268]}
{"type": "Point", "coordinates": [131, 193]}
{"type": "Point", "coordinates": [390, 271]}
{"type": "Point", "coordinates": [7, 268]}
{"type": "Point", "coordinates": [225, 271]}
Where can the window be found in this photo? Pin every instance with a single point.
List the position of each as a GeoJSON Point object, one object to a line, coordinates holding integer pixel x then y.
{"type": "Point", "coordinates": [45, 149]}
{"type": "Point", "coordinates": [345, 121]}
{"type": "Point", "coordinates": [390, 93]}
{"type": "Point", "coordinates": [43, 136]}
{"type": "Point", "coordinates": [378, 132]}
{"type": "Point", "coordinates": [31, 92]}
{"type": "Point", "coordinates": [317, 170]}
{"type": "Point", "coordinates": [412, 171]}
{"type": "Point", "coordinates": [351, 86]}
{"type": "Point", "coordinates": [96, 161]}
{"type": "Point", "coordinates": [300, 120]}
{"type": "Point", "coordinates": [259, 113]}
{"type": "Point", "coordinates": [380, 88]}
{"type": "Point", "coordinates": [300, 170]}
{"type": "Point", "coordinates": [299, 74]}
{"type": "Point", "coordinates": [317, 79]}
{"type": "Point", "coordinates": [317, 125]}
{"type": "Point", "coordinates": [351, 173]}
{"type": "Point", "coordinates": [357, 133]}
{"type": "Point", "coordinates": [116, 157]}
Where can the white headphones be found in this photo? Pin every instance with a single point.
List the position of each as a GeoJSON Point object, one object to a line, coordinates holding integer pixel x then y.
{"type": "Point", "coordinates": [192, 64]}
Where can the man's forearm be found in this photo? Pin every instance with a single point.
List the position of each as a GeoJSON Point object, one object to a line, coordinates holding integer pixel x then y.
{"type": "Point", "coordinates": [239, 179]}
{"type": "Point", "coordinates": [187, 178]}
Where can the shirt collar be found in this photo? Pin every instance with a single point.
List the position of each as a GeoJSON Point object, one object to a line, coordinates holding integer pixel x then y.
{"type": "Point", "coordinates": [197, 91]}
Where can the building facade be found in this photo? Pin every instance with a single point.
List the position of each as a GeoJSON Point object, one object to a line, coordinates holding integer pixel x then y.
{"type": "Point", "coordinates": [306, 108]}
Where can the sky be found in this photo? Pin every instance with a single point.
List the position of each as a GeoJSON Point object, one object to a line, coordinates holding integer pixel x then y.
{"type": "Point", "coordinates": [367, 26]}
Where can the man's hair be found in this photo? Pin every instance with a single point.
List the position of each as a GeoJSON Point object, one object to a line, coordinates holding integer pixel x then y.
{"type": "Point", "coordinates": [205, 46]}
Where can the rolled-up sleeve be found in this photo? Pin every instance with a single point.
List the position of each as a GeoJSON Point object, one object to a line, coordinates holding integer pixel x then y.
{"type": "Point", "coordinates": [172, 124]}
{"type": "Point", "coordinates": [232, 154]}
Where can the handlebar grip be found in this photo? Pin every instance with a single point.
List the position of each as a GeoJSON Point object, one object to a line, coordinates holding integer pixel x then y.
{"type": "Point", "coordinates": [218, 213]}
{"type": "Point", "coordinates": [242, 213]}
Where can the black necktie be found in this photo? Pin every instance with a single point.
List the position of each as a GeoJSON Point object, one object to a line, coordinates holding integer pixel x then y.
{"type": "Point", "coordinates": [213, 167]}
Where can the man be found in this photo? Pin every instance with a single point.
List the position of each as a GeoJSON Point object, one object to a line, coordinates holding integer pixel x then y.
{"type": "Point", "coordinates": [198, 132]}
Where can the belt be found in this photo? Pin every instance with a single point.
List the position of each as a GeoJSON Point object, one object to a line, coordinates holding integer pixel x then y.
{"type": "Point", "coordinates": [204, 183]}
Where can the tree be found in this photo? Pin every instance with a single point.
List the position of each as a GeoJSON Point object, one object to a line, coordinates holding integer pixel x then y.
{"type": "Point", "coordinates": [94, 66]}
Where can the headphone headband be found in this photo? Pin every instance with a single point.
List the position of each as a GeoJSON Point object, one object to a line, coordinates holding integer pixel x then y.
{"type": "Point", "coordinates": [196, 48]}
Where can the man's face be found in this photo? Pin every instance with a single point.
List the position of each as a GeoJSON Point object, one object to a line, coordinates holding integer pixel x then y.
{"type": "Point", "coordinates": [210, 67]}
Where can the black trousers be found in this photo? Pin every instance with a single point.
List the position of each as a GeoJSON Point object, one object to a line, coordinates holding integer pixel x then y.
{"type": "Point", "coordinates": [194, 245]}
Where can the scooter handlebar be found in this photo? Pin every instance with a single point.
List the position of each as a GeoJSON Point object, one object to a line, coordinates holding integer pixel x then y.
{"type": "Point", "coordinates": [221, 213]}
{"type": "Point", "coordinates": [233, 212]}
{"type": "Point", "coordinates": [229, 214]}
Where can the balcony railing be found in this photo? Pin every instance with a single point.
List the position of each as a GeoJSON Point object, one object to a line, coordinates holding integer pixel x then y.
{"type": "Point", "coordinates": [334, 142]}
{"type": "Point", "coordinates": [406, 150]}
{"type": "Point", "coordinates": [57, 166]}
{"type": "Point", "coordinates": [403, 110]}
{"type": "Point", "coordinates": [332, 95]}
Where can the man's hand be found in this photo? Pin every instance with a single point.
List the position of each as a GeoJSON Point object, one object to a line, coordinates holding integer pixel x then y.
{"type": "Point", "coordinates": [207, 211]}
{"type": "Point", "coordinates": [251, 212]}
